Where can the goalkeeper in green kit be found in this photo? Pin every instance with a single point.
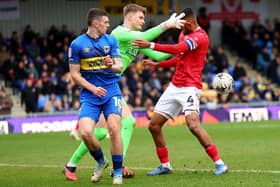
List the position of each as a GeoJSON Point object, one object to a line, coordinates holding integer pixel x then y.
{"type": "Point", "coordinates": [125, 34]}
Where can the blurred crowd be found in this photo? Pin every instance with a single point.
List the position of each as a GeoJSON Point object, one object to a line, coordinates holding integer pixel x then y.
{"type": "Point", "coordinates": [259, 45]}
{"type": "Point", "coordinates": [35, 67]}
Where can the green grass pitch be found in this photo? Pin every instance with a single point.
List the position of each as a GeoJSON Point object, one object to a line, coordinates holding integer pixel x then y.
{"type": "Point", "coordinates": [251, 150]}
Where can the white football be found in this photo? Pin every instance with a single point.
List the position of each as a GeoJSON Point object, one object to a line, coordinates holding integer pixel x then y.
{"type": "Point", "coordinates": [223, 83]}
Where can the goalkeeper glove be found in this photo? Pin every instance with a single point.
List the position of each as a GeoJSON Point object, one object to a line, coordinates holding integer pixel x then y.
{"type": "Point", "coordinates": [173, 22]}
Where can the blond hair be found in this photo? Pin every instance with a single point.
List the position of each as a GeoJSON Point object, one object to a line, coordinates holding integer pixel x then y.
{"type": "Point", "coordinates": [133, 8]}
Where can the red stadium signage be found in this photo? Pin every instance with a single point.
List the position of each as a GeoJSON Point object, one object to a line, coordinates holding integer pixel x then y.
{"type": "Point", "coordinates": [116, 7]}
{"type": "Point", "coordinates": [233, 10]}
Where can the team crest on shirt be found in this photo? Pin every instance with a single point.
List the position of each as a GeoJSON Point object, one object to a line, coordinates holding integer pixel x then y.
{"type": "Point", "coordinates": [106, 48]}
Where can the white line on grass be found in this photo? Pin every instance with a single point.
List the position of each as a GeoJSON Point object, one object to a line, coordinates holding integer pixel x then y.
{"type": "Point", "coordinates": [142, 168]}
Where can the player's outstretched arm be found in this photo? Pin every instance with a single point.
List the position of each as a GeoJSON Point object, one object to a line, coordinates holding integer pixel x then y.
{"type": "Point", "coordinates": [129, 36]}
{"type": "Point", "coordinates": [151, 34]}
{"type": "Point", "coordinates": [79, 80]}
{"type": "Point", "coordinates": [149, 63]}
{"type": "Point", "coordinates": [173, 22]}
{"type": "Point", "coordinates": [155, 55]}
{"type": "Point", "coordinates": [168, 48]}
{"type": "Point", "coordinates": [165, 64]}
{"type": "Point", "coordinates": [168, 63]}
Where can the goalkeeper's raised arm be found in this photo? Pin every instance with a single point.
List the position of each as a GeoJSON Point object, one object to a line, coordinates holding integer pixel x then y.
{"type": "Point", "coordinates": [134, 19]}
{"type": "Point", "coordinates": [134, 22]}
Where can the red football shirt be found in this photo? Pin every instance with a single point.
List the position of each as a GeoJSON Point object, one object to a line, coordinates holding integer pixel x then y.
{"type": "Point", "coordinates": [190, 58]}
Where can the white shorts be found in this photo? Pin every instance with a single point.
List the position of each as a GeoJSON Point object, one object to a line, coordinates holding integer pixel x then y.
{"type": "Point", "coordinates": [178, 99]}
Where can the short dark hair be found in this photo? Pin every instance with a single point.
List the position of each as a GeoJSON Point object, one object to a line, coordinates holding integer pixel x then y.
{"type": "Point", "coordinates": [189, 13]}
{"type": "Point", "coordinates": [95, 13]}
{"type": "Point", "coordinates": [133, 8]}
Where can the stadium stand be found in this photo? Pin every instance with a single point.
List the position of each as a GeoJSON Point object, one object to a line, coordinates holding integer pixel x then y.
{"type": "Point", "coordinates": [35, 67]}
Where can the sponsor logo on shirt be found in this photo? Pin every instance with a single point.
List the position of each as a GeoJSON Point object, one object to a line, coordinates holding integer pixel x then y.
{"type": "Point", "coordinates": [86, 49]}
{"type": "Point", "coordinates": [94, 63]}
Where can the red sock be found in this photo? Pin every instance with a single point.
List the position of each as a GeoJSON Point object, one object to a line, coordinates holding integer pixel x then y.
{"type": "Point", "coordinates": [162, 153]}
{"type": "Point", "coordinates": [77, 126]}
{"type": "Point", "coordinates": [213, 152]}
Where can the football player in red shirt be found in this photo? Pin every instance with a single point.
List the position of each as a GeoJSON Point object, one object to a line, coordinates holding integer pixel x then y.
{"type": "Point", "coordinates": [183, 93]}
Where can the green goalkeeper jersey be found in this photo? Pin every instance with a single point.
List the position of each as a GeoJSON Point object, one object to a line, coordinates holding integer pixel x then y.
{"type": "Point", "coordinates": [125, 37]}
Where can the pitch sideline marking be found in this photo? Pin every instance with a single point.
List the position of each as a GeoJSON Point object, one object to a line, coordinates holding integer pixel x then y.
{"type": "Point", "coordinates": [142, 168]}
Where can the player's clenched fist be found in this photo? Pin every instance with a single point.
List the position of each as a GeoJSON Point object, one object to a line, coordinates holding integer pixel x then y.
{"type": "Point", "coordinates": [108, 61]}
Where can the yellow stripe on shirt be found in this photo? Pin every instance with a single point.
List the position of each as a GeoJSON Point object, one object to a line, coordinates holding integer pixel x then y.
{"type": "Point", "coordinates": [94, 63]}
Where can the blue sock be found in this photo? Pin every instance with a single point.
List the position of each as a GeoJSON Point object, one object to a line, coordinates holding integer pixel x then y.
{"type": "Point", "coordinates": [117, 164]}
{"type": "Point", "coordinates": [97, 155]}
